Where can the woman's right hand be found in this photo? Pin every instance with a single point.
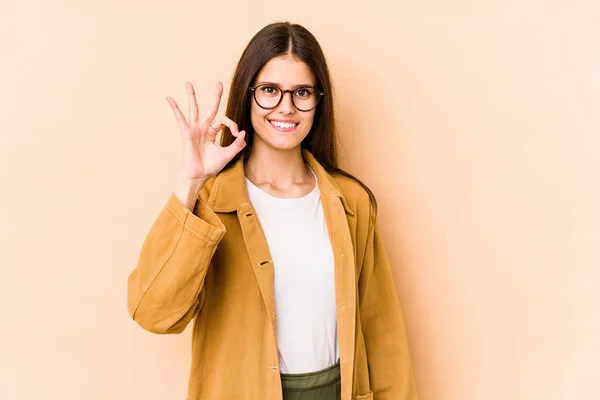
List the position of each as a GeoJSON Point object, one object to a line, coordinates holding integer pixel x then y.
{"type": "Point", "coordinates": [202, 156]}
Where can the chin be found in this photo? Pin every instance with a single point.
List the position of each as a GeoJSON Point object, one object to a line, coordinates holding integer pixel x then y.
{"type": "Point", "coordinates": [279, 141]}
{"type": "Point", "coordinates": [284, 145]}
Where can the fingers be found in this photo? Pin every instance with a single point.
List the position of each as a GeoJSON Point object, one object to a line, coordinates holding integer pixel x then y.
{"type": "Point", "coordinates": [212, 111]}
{"type": "Point", "coordinates": [222, 121]}
{"type": "Point", "coordinates": [178, 114]}
{"type": "Point", "coordinates": [238, 144]}
{"type": "Point", "coordinates": [193, 104]}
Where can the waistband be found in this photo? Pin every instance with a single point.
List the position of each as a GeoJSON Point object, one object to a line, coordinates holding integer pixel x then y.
{"type": "Point", "coordinates": [310, 380]}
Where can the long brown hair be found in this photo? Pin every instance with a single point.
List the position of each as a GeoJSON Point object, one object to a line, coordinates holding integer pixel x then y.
{"type": "Point", "coordinates": [274, 40]}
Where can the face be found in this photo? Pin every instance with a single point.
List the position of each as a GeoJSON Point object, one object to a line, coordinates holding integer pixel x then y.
{"type": "Point", "coordinates": [284, 127]}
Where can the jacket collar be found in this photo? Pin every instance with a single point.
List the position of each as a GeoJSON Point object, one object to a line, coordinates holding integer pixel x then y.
{"type": "Point", "coordinates": [229, 190]}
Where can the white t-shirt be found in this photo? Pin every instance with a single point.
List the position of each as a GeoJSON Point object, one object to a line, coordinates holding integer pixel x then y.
{"type": "Point", "coordinates": [299, 244]}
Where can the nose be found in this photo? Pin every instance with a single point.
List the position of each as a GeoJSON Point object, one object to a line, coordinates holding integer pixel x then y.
{"type": "Point", "coordinates": [286, 106]}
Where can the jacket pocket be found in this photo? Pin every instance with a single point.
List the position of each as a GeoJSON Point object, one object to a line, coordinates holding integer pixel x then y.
{"type": "Point", "coordinates": [368, 396]}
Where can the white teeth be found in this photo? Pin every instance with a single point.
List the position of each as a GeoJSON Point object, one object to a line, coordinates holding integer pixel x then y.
{"type": "Point", "coordinates": [285, 125]}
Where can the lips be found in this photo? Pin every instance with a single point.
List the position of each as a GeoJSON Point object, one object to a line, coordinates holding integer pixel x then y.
{"type": "Point", "coordinates": [284, 124]}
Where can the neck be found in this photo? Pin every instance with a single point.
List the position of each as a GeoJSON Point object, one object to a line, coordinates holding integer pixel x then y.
{"type": "Point", "coordinates": [280, 168]}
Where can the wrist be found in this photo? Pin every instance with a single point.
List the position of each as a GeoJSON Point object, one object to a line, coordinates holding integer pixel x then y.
{"type": "Point", "coordinates": [187, 191]}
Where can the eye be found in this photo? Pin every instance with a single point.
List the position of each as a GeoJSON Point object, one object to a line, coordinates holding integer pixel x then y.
{"type": "Point", "coordinates": [270, 90]}
{"type": "Point", "coordinates": [303, 92]}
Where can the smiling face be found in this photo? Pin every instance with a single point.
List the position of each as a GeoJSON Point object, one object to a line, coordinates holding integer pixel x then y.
{"type": "Point", "coordinates": [283, 127]}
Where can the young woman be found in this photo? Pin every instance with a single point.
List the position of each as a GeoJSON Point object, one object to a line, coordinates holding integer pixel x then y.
{"type": "Point", "coordinates": [270, 247]}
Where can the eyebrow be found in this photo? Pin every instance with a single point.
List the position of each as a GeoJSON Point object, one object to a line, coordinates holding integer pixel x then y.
{"type": "Point", "coordinates": [303, 85]}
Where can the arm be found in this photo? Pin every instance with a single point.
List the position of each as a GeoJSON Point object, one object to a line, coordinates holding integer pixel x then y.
{"type": "Point", "coordinates": [390, 366]}
{"type": "Point", "coordinates": [165, 290]}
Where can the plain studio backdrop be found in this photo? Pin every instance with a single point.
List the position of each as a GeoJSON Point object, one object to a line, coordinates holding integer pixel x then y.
{"type": "Point", "coordinates": [476, 124]}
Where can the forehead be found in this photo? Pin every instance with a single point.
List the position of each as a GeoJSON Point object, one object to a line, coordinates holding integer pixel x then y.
{"type": "Point", "coordinates": [286, 71]}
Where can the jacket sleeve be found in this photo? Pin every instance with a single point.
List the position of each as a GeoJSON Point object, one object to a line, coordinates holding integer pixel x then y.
{"type": "Point", "coordinates": [390, 367]}
{"type": "Point", "coordinates": [165, 290]}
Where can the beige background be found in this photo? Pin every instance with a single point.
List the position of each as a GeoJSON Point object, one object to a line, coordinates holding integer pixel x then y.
{"type": "Point", "coordinates": [475, 123]}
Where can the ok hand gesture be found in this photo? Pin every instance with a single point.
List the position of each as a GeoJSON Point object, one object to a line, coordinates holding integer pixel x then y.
{"type": "Point", "coordinates": [202, 156]}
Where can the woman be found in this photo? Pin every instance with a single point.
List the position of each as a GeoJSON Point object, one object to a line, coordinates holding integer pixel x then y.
{"type": "Point", "coordinates": [270, 247]}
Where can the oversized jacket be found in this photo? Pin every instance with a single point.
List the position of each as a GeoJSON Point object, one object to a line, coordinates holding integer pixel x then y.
{"type": "Point", "coordinates": [213, 266]}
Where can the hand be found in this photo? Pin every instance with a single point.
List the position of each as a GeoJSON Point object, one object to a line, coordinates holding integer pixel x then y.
{"type": "Point", "coordinates": [202, 156]}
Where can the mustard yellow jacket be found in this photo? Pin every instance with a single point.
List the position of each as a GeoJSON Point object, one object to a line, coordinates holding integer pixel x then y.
{"type": "Point", "coordinates": [214, 266]}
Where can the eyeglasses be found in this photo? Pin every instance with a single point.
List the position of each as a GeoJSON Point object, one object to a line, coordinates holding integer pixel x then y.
{"type": "Point", "coordinates": [268, 96]}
